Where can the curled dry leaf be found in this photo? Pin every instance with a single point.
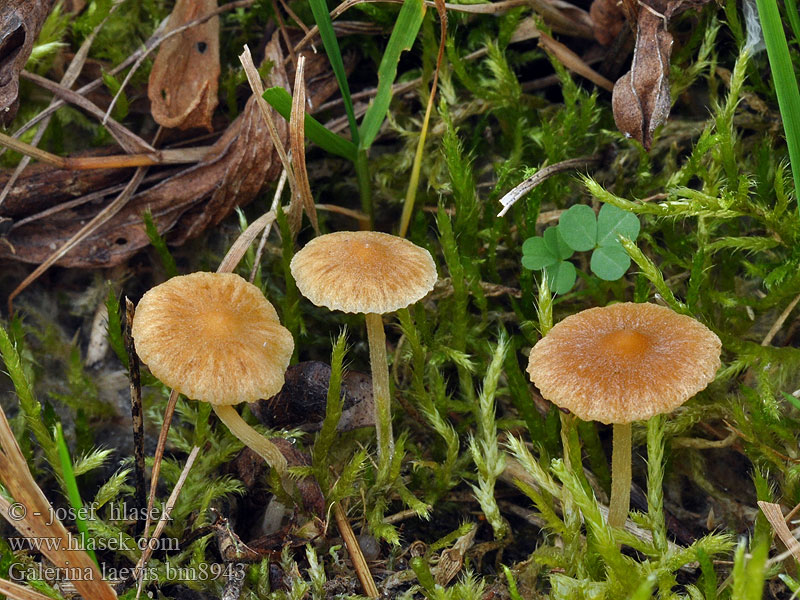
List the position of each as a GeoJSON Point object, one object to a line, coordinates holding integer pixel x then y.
{"type": "Point", "coordinates": [641, 98]}
{"type": "Point", "coordinates": [20, 22]}
{"type": "Point", "coordinates": [239, 164]}
{"type": "Point", "coordinates": [185, 77]}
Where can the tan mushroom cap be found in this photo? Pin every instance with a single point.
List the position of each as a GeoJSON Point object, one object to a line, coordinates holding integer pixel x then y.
{"type": "Point", "coordinates": [363, 272]}
{"type": "Point", "coordinates": [212, 337]}
{"type": "Point", "coordinates": [624, 362]}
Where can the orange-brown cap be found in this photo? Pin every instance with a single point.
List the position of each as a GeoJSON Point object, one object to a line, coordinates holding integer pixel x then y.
{"type": "Point", "coordinates": [363, 272]}
{"type": "Point", "coordinates": [624, 362]}
{"type": "Point", "coordinates": [213, 337]}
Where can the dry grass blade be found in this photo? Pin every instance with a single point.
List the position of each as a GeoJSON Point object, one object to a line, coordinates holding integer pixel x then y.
{"type": "Point", "coordinates": [254, 79]}
{"type": "Point", "coordinates": [115, 161]}
{"type": "Point", "coordinates": [354, 550]}
{"type": "Point", "coordinates": [573, 62]}
{"type": "Point", "coordinates": [276, 198]}
{"type": "Point", "coordinates": [38, 520]}
{"type": "Point", "coordinates": [16, 591]}
{"type": "Point", "coordinates": [242, 243]}
{"type": "Point", "coordinates": [162, 522]}
{"type": "Point", "coordinates": [362, 218]}
{"type": "Point", "coordinates": [408, 205]}
{"type": "Point", "coordinates": [125, 137]}
{"type": "Point", "coordinates": [302, 198]}
{"type": "Point", "coordinates": [774, 515]}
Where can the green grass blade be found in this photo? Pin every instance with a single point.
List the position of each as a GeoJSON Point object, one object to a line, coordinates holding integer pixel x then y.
{"type": "Point", "coordinates": [323, 20]}
{"type": "Point", "coordinates": [785, 82]}
{"type": "Point", "coordinates": [280, 100]}
{"type": "Point", "coordinates": [71, 485]}
{"type": "Point", "coordinates": [794, 18]}
{"type": "Point", "coordinates": [405, 32]}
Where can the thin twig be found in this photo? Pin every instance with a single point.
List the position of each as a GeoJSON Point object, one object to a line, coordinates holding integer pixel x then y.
{"type": "Point", "coordinates": [541, 176]}
{"type": "Point", "coordinates": [114, 161]}
{"type": "Point", "coordinates": [162, 522]}
{"type": "Point", "coordinates": [137, 420]}
{"type": "Point", "coordinates": [158, 457]}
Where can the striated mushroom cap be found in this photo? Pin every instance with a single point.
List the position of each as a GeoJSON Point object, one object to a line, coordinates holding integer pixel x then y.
{"type": "Point", "coordinates": [212, 337]}
{"type": "Point", "coordinates": [363, 272]}
{"type": "Point", "coordinates": [624, 362]}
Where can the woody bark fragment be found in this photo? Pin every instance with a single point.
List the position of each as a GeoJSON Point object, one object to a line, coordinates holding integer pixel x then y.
{"type": "Point", "coordinates": [185, 76]}
{"type": "Point", "coordinates": [20, 23]}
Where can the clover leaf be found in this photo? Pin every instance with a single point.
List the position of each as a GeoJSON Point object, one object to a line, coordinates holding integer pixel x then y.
{"type": "Point", "coordinates": [579, 227]}
{"type": "Point", "coordinates": [580, 230]}
{"type": "Point", "coordinates": [550, 252]}
{"type": "Point", "coordinates": [613, 221]}
{"type": "Point", "coordinates": [583, 231]}
{"type": "Point", "coordinates": [561, 276]}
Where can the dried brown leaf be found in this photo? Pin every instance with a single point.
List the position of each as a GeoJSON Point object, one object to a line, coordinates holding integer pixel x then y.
{"type": "Point", "coordinates": [185, 77]}
{"type": "Point", "coordinates": [236, 168]}
{"type": "Point", "coordinates": [641, 97]}
{"type": "Point", "coordinates": [20, 22]}
{"type": "Point", "coordinates": [232, 173]}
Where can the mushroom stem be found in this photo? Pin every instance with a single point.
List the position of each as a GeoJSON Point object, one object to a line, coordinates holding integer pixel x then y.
{"type": "Point", "coordinates": [620, 475]}
{"type": "Point", "coordinates": [251, 438]}
{"type": "Point", "coordinates": [380, 390]}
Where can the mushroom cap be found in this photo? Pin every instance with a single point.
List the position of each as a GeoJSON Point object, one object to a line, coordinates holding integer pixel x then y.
{"type": "Point", "coordinates": [624, 362]}
{"type": "Point", "coordinates": [212, 337]}
{"type": "Point", "coordinates": [363, 272]}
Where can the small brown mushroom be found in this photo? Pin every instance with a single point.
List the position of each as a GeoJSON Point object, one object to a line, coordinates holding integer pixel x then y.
{"type": "Point", "coordinates": [623, 363]}
{"type": "Point", "coordinates": [373, 273]}
{"type": "Point", "coordinates": [215, 337]}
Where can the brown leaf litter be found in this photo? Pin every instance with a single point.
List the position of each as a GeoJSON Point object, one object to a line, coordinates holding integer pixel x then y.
{"type": "Point", "coordinates": [184, 79]}
{"type": "Point", "coordinates": [233, 172]}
